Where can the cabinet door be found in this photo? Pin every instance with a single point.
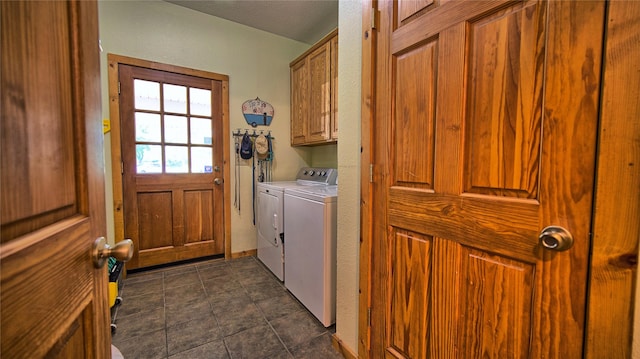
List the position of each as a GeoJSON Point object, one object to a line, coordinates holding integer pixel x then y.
{"type": "Point", "coordinates": [318, 129]}
{"type": "Point", "coordinates": [299, 102]}
{"type": "Point", "coordinates": [334, 88]}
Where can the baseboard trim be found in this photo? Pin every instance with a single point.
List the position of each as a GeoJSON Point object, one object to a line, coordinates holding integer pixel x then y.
{"type": "Point", "coordinates": [249, 253]}
{"type": "Point", "coordinates": [341, 348]}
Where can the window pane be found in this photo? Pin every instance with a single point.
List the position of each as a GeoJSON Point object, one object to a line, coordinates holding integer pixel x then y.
{"type": "Point", "coordinates": [148, 159]}
{"type": "Point", "coordinates": [175, 129]}
{"type": "Point", "coordinates": [148, 127]}
{"type": "Point", "coordinates": [147, 95]}
{"type": "Point", "coordinates": [177, 159]}
{"type": "Point", "coordinates": [175, 98]}
{"type": "Point", "coordinates": [200, 131]}
{"type": "Point", "coordinates": [200, 101]}
{"type": "Point", "coordinates": [201, 161]}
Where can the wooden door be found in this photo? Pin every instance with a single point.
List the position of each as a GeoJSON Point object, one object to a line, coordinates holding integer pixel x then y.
{"type": "Point", "coordinates": [53, 301]}
{"type": "Point", "coordinates": [484, 134]}
{"type": "Point", "coordinates": [172, 154]}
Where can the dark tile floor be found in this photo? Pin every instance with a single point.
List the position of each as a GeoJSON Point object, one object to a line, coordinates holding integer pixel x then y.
{"type": "Point", "coordinates": [215, 309]}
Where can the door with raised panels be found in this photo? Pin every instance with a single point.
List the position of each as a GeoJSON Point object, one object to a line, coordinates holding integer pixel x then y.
{"type": "Point", "coordinates": [484, 135]}
{"type": "Point", "coordinates": [53, 301]}
{"type": "Point", "coordinates": [173, 162]}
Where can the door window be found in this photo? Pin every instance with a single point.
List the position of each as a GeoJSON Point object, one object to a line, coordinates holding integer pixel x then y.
{"type": "Point", "coordinates": [173, 128]}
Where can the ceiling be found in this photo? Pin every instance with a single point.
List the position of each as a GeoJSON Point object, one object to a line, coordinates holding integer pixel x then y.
{"type": "Point", "coordinates": [302, 20]}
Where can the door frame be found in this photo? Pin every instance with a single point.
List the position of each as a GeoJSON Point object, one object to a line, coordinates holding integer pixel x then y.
{"type": "Point", "coordinates": [116, 153]}
{"type": "Point", "coordinates": [613, 262]}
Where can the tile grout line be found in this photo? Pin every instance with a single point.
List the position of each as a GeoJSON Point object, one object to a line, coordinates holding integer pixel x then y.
{"type": "Point", "coordinates": [237, 273]}
{"type": "Point", "coordinates": [215, 317]}
{"type": "Point", "coordinates": [164, 316]}
{"type": "Point", "coordinates": [265, 317]}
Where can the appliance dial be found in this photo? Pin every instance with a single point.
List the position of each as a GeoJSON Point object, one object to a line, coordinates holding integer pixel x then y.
{"type": "Point", "coordinates": [312, 172]}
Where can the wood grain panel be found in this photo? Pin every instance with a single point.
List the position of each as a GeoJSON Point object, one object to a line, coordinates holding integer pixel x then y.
{"type": "Point", "coordinates": [31, 90]}
{"type": "Point", "coordinates": [470, 220]}
{"type": "Point", "coordinates": [193, 180]}
{"type": "Point", "coordinates": [409, 284]}
{"type": "Point", "coordinates": [50, 299]}
{"type": "Point", "coordinates": [504, 108]}
{"type": "Point", "coordinates": [53, 301]}
{"type": "Point", "coordinates": [568, 158]}
{"type": "Point", "coordinates": [164, 255]}
{"type": "Point", "coordinates": [198, 216]}
{"type": "Point", "coordinates": [498, 296]}
{"type": "Point", "coordinates": [155, 219]}
{"type": "Point", "coordinates": [72, 344]}
{"type": "Point", "coordinates": [415, 110]}
{"type": "Point", "coordinates": [319, 94]}
{"type": "Point", "coordinates": [444, 297]}
{"type": "Point", "coordinates": [334, 88]}
{"type": "Point", "coordinates": [366, 187]}
{"type": "Point", "coordinates": [450, 109]}
{"type": "Point", "coordinates": [407, 8]}
{"type": "Point", "coordinates": [616, 226]}
{"type": "Point", "coordinates": [299, 101]}
{"type": "Point", "coordinates": [440, 18]}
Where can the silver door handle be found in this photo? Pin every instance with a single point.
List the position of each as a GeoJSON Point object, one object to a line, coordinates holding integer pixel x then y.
{"type": "Point", "coordinates": [556, 238]}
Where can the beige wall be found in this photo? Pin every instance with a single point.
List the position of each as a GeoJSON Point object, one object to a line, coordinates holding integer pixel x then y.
{"type": "Point", "coordinates": [349, 108]}
{"type": "Point", "coordinates": [257, 64]}
{"type": "Point", "coordinates": [636, 322]}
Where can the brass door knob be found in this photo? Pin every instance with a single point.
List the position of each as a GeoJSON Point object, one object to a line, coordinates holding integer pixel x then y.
{"type": "Point", "coordinates": [217, 181]}
{"type": "Point", "coordinates": [556, 238]}
{"type": "Point", "coordinates": [122, 251]}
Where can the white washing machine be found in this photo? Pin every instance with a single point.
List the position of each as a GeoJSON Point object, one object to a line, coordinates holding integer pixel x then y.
{"type": "Point", "coordinates": [310, 253]}
{"type": "Point", "coordinates": [270, 216]}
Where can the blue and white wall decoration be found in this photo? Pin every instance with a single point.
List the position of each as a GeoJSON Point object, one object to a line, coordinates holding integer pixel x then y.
{"type": "Point", "coordinates": [257, 112]}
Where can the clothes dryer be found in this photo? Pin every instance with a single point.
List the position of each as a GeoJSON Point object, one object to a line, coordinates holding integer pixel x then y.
{"type": "Point", "coordinates": [270, 217]}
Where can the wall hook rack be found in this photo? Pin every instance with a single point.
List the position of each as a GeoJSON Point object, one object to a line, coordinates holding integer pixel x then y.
{"type": "Point", "coordinates": [253, 133]}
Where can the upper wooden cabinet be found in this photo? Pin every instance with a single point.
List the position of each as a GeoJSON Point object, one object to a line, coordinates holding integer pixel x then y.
{"type": "Point", "coordinates": [314, 86]}
{"type": "Point", "coordinates": [334, 87]}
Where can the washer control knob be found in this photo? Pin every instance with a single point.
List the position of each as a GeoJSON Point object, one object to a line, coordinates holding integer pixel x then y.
{"type": "Point", "coordinates": [312, 172]}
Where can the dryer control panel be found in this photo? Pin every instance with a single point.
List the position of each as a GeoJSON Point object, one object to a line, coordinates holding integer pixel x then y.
{"type": "Point", "coordinates": [319, 175]}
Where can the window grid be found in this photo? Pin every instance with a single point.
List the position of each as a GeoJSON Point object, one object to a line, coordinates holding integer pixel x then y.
{"type": "Point", "coordinates": [189, 144]}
